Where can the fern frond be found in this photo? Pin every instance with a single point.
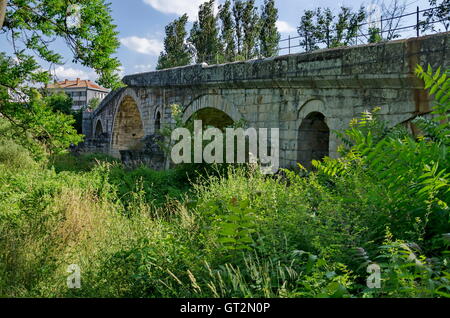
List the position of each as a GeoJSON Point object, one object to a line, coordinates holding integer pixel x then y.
{"type": "Point", "coordinates": [438, 85]}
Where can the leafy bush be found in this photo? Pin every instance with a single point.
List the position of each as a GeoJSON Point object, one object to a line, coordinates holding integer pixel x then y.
{"type": "Point", "coordinates": [78, 163]}
{"type": "Point", "coordinates": [14, 156]}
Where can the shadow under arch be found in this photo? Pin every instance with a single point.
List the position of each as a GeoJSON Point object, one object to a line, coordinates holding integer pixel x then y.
{"type": "Point", "coordinates": [313, 141]}
{"type": "Point", "coordinates": [128, 129]}
{"type": "Point", "coordinates": [211, 117]}
{"type": "Point", "coordinates": [158, 122]}
{"type": "Point", "coordinates": [98, 132]}
{"type": "Point", "coordinates": [208, 102]}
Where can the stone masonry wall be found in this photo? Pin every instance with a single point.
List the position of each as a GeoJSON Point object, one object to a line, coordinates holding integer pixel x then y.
{"type": "Point", "coordinates": [281, 92]}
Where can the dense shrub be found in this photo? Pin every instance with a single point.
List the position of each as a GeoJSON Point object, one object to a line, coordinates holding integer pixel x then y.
{"type": "Point", "coordinates": [14, 156]}
{"type": "Point", "coordinates": [78, 163]}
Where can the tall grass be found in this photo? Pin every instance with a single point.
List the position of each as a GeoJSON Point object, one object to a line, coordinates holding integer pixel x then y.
{"type": "Point", "coordinates": [227, 233]}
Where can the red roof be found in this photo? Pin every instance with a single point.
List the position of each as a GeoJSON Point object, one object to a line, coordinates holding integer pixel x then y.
{"type": "Point", "coordinates": [77, 84]}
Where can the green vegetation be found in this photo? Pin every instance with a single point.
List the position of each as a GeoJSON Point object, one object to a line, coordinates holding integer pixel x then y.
{"type": "Point", "coordinates": [437, 17]}
{"type": "Point", "coordinates": [175, 52]}
{"type": "Point", "coordinates": [321, 26]}
{"type": "Point", "coordinates": [59, 102]}
{"type": "Point", "coordinates": [32, 27]}
{"type": "Point", "coordinates": [269, 35]}
{"type": "Point", "coordinates": [204, 35]}
{"type": "Point", "coordinates": [239, 31]}
{"type": "Point", "coordinates": [38, 127]}
{"type": "Point", "coordinates": [211, 231]}
{"type": "Point", "coordinates": [94, 103]}
{"type": "Point", "coordinates": [236, 232]}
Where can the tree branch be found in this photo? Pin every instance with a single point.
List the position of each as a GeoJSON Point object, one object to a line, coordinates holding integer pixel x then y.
{"type": "Point", "coordinates": [3, 4]}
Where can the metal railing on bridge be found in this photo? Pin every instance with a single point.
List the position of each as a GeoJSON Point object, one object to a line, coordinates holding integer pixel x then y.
{"type": "Point", "coordinates": [293, 44]}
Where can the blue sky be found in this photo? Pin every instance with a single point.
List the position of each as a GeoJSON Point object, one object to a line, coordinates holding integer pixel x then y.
{"type": "Point", "coordinates": [141, 29]}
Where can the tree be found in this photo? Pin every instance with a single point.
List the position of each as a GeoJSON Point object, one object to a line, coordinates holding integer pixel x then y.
{"type": "Point", "coordinates": [205, 35]}
{"type": "Point", "coordinates": [269, 36]}
{"type": "Point", "coordinates": [354, 26]}
{"type": "Point", "coordinates": [321, 26]}
{"type": "Point", "coordinates": [348, 26]}
{"type": "Point", "coordinates": [307, 31]}
{"type": "Point", "coordinates": [227, 31]}
{"type": "Point", "coordinates": [34, 23]}
{"type": "Point", "coordinates": [251, 27]}
{"type": "Point", "coordinates": [32, 26]}
{"type": "Point", "coordinates": [391, 13]}
{"type": "Point", "coordinates": [324, 30]}
{"type": "Point", "coordinates": [375, 35]}
{"type": "Point", "coordinates": [94, 103]}
{"type": "Point", "coordinates": [2, 11]}
{"type": "Point", "coordinates": [176, 52]}
{"type": "Point", "coordinates": [238, 12]}
{"type": "Point", "coordinates": [440, 13]}
{"type": "Point", "coordinates": [341, 26]}
{"type": "Point", "coordinates": [59, 102]}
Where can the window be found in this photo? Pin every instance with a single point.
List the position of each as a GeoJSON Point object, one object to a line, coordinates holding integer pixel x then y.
{"type": "Point", "coordinates": [79, 104]}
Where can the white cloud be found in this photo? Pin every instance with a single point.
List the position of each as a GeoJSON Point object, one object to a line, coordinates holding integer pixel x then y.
{"type": "Point", "coordinates": [284, 27]}
{"type": "Point", "coordinates": [62, 72]}
{"type": "Point", "coordinates": [143, 45]}
{"type": "Point", "coordinates": [142, 68]}
{"type": "Point", "coordinates": [178, 7]}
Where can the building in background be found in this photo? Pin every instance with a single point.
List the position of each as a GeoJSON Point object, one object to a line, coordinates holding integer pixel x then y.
{"type": "Point", "coordinates": [81, 91]}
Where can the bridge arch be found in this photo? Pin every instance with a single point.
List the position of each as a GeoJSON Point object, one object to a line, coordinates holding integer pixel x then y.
{"type": "Point", "coordinates": [128, 127]}
{"type": "Point", "coordinates": [313, 141]}
{"type": "Point", "coordinates": [157, 121]}
{"type": "Point", "coordinates": [213, 108]}
{"type": "Point", "coordinates": [213, 117]}
{"type": "Point", "coordinates": [98, 129]}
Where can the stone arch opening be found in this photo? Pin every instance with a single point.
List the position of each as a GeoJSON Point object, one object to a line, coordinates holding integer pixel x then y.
{"type": "Point", "coordinates": [212, 117]}
{"type": "Point", "coordinates": [313, 139]}
{"type": "Point", "coordinates": [216, 102]}
{"type": "Point", "coordinates": [158, 122]}
{"type": "Point", "coordinates": [128, 128]}
{"type": "Point", "coordinates": [98, 129]}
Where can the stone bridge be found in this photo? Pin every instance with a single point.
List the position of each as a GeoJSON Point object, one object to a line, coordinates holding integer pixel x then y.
{"type": "Point", "coordinates": [307, 96]}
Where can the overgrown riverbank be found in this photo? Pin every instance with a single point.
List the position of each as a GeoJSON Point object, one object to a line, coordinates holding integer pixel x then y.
{"type": "Point", "coordinates": [233, 232]}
